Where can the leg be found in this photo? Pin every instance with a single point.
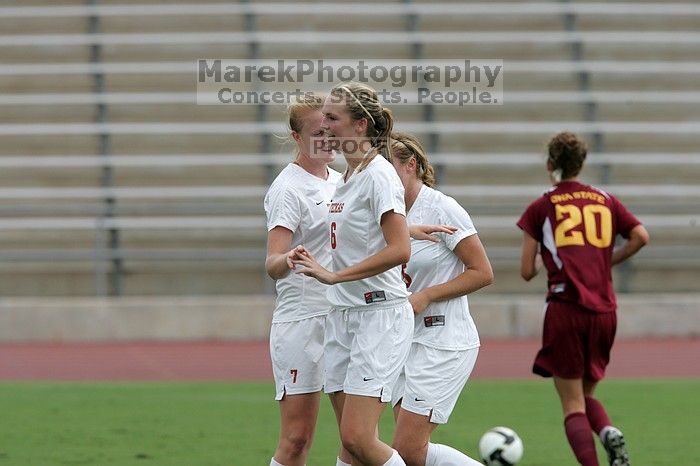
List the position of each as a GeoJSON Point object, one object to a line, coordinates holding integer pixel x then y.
{"type": "Point", "coordinates": [576, 425]}
{"type": "Point", "coordinates": [412, 436]}
{"type": "Point", "coordinates": [358, 430]}
{"type": "Point", "coordinates": [298, 414]}
{"type": "Point", "coordinates": [338, 401]}
{"type": "Point", "coordinates": [296, 351]}
{"type": "Point", "coordinates": [430, 393]}
{"type": "Point", "coordinates": [412, 441]}
{"type": "Point", "coordinates": [594, 409]}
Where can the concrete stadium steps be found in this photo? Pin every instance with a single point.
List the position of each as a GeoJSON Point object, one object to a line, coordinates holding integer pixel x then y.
{"type": "Point", "coordinates": [535, 173]}
{"type": "Point", "coordinates": [192, 176]}
{"type": "Point", "coordinates": [45, 54]}
{"type": "Point", "coordinates": [174, 52]}
{"type": "Point", "coordinates": [137, 144]}
{"type": "Point", "coordinates": [649, 112]}
{"type": "Point", "coordinates": [167, 23]}
{"type": "Point", "coordinates": [80, 279]}
{"type": "Point", "coordinates": [33, 177]}
{"type": "Point", "coordinates": [68, 240]}
{"type": "Point", "coordinates": [642, 143]}
{"type": "Point", "coordinates": [253, 176]}
{"type": "Point", "coordinates": [510, 111]}
{"type": "Point", "coordinates": [47, 114]}
{"type": "Point", "coordinates": [47, 279]}
{"type": "Point", "coordinates": [163, 111]}
{"type": "Point", "coordinates": [670, 81]}
{"type": "Point", "coordinates": [190, 112]}
{"type": "Point", "coordinates": [182, 278]}
{"type": "Point", "coordinates": [497, 51]}
{"type": "Point", "coordinates": [158, 82]}
{"type": "Point", "coordinates": [494, 22]}
{"type": "Point", "coordinates": [53, 25]}
{"type": "Point", "coordinates": [224, 260]}
{"type": "Point", "coordinates": [45, 83]}
{"type": "Point", "coordinates": [636, 23]}
{"type": "Point", "coordinates": [518, 142]}
{"type": "Point", "coordinates": [49, 144]}
{"type": "Point", "coordinates": [333, 23]}
{"type": "Point", "coordinates": [203, 278]}
{"type": "Point", "coordinates": [647, 52]}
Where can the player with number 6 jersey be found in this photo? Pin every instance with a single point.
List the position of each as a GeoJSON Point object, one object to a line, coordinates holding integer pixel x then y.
{"type": "Point", "coordinates": [368, 331]}
{"type": "Point", "coordinates": [574, 226]}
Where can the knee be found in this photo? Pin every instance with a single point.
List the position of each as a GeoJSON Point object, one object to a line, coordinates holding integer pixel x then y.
{"type": "Point", "coordinates": [412, 454]}
{"type": "Point", "coordinates": [354, 442]}
{"type": "Point", "coordinates": [296, 444]}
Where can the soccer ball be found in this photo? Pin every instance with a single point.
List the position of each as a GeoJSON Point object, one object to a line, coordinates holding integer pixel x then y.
{"type": "Point", "coordinates": [500, 446]}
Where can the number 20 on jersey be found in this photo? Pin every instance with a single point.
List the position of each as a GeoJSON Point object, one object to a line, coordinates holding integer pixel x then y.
{"type": "Point", "coordinates": [597, 225]}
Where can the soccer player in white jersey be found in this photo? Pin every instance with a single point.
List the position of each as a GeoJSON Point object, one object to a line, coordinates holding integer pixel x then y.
{"type": "Point", "coordinates": [369, 329]}
{"type": "Point", "coordinates": [296, 206]}
{"type": "Point", "coordinates": [445, 345]}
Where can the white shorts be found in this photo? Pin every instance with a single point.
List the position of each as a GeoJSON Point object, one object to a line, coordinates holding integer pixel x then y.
{"type": "Point", "coordinates": [432, 381]}
{"type": "Point", "coordinates": [296, 350]}
{"type": "Point", "coordinates": [366, 349]}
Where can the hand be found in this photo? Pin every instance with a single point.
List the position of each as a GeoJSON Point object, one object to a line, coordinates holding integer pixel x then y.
{"type": "Point", "coordinates": [423, 232]}
{"type": "Point", "coordinates": [419, 302]}
{"type": "Point", "coordinates": [294, 253]}
{"type": "Point", "coordinates": [311, 268]}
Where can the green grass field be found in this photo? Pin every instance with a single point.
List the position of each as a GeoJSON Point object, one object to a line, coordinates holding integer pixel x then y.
{"type": "Point", "coordinates": [208, 424]}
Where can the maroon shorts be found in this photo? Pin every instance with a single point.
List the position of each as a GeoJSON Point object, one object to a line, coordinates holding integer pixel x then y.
{"type": "Point", "coordinates": [576, 342]}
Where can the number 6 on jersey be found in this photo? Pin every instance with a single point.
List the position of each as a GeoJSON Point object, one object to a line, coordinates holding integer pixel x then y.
{"type": "Point", "coordinates": [333, 239]}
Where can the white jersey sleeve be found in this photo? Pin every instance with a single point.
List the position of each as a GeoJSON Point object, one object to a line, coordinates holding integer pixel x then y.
{"type": "Point", "coordinates": [283, 208]}
{"type": "Point", "coordinates": [453, 214]}
{"type": "Point", "coordinates": [387, 195]}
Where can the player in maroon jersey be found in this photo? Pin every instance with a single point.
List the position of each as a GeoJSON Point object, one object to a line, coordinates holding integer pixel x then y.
{"type": "Point", "coordinates": [574, 226]}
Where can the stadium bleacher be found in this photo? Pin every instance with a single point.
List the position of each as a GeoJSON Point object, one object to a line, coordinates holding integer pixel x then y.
{"type": "Point", "coordinates": [114, 182]}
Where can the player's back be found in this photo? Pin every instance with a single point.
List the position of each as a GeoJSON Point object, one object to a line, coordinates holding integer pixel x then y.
{"type": "Point", "coordinates": [578, 225]}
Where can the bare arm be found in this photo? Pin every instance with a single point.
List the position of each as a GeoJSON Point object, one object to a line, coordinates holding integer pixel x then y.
{"type": "Point", "coordinates": [639, 237]}
{"type": "Point", "coordinates": [424, 232]}
{"type": "Point", "coordinates": [278, 261]}
{"type": "Point", "coordinates": [477, 274]}
{"type": "Point", "coordinates": [397, 251]}
{"type": "Point", "coordinates": [528, 258]}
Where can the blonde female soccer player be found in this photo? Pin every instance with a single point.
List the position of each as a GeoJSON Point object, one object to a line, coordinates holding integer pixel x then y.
{"type": "Point", "coordinates": [445, 346]}
{"type": "Point", "coordinates": [574, 226]}
{"type": "Point", "coordinates": [296, 206]}
{"type": "Point", "coordinates": [368, 331]}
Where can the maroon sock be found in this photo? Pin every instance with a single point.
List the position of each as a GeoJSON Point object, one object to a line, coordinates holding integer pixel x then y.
{"type": "Point", "coordinates": [578, 432]}
{"type": "Point", "coordinates": [596, 415]}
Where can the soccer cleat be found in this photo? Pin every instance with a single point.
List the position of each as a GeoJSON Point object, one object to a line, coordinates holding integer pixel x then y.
{"type": "Point", "coordinates": [614, 443]}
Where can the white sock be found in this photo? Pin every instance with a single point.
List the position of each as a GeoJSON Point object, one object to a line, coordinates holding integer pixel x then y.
{"type": "Point", "coordinates": [275, 463]}
{"type": "Point", "coordinates": [395, 460]}
{"type": "Point", "coordinates": [442, 455]}
{"type": "Point", "coordinates": [339, 462]}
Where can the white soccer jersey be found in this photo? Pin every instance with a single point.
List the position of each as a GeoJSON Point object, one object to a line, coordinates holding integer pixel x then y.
{"type": "Point", "coordinates": [447, 324]}
{"type": "Point", "coordinates": [298, 201]}
{"type": "Point", "coordinates": [354, 218]}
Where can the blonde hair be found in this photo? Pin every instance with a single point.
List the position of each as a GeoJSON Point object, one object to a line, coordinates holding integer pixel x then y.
{"type": "Point", "coordinates": [362, 101]}
{"type": "Point", "coordinates": [299, 109]}
{"type": "Point", "coordinates": [404, 146]}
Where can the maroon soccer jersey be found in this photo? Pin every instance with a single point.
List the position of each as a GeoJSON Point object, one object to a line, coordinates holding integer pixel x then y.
{"type": "Point", "coordinates": [576, 226]}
